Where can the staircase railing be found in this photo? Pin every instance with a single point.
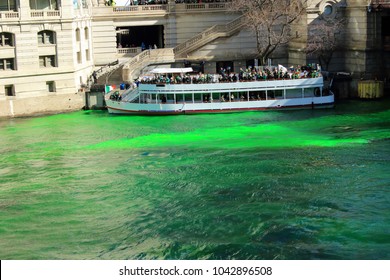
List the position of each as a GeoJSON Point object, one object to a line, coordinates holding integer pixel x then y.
{"type": "Point", "coordinates": [208, 35]}
{"type": "Point", "coordinates": [147, 57]}
{"type": "Point", "coordinates": [101, 71]}
{"type": "Point", "coordinates": [130, 95]}
{"type": "Point", "coordinates": [112, 71]}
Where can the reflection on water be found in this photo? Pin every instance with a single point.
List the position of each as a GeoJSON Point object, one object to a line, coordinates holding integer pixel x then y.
{"type": "Point", "coordinates": [256, 185]}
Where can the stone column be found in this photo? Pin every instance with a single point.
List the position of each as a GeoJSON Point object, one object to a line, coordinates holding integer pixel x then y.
{"type": "Point", "coordinates": [24, 9]}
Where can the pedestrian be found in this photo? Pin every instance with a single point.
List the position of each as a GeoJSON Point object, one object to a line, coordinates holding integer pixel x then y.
{"type": "Point", "coordinates": [94, 75]}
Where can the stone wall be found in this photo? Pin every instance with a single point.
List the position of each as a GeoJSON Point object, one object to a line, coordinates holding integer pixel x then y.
{"type": "Point", "coordinates": [12, 106]}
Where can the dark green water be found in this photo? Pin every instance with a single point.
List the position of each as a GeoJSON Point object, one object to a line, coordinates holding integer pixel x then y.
{"type": "Point", "coordinates": [257, 185]}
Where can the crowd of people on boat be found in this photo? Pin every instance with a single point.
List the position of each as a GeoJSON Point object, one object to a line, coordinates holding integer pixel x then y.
{"type": "Point", "coordinates": [244, 75]}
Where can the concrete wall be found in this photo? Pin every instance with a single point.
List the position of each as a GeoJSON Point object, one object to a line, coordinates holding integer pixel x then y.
{"type": "Point", "coordinates": [12, 106]}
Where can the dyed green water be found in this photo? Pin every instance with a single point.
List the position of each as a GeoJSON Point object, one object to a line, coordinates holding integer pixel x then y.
{"type": "Point", "coordinates": [261, 185]}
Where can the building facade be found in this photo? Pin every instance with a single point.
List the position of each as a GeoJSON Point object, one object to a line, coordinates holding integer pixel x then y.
{"type": "Point", "coordinates": [49, 48]}
{"type": "Point", "coordinates": [46, 55]}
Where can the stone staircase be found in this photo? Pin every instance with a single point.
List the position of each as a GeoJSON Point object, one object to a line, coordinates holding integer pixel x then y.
{"type": "Point", "coordinates": [134, 66]}
{"type": "Point", "coordinates": [207, 36]}
{"type": "Point", "coordinates": [114, 76]}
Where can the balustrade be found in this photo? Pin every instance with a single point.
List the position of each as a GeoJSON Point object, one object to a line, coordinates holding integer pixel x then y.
{"type": "Point", "coordinates": [161, 8]}
{"type": "Point", "coordinates": [9, 15]}
{"type": "Point", "coordinates": [44, 14]}
{"type": "Point", "coordinates": [140, 8]}
{"type": "Point", "coordinates": [128, 51]}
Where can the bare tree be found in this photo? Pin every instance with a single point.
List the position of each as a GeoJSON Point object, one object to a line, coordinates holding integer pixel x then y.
{"type": "Point", "coordinates": [323, 39]}
{"type": "Point", "coordinates": [271, 21]}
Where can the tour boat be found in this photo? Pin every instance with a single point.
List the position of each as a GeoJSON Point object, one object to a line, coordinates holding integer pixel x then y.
{"type": "Point", "coordinates": [175, 91]}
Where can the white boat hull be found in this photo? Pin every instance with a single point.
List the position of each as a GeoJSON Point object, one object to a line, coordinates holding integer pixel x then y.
{"type": "Point", "coordinates": [156, 107]}
{"type": "Point", "coordinates": [116, 107]}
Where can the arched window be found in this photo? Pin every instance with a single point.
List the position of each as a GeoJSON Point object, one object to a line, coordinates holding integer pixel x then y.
{"type": "Point", "coordinates": [7, 39]}
{"type": "Point", "coordinates": [46, 37]}
{"type": "Point", "coordinates": [78, 34]}
{"type": "Point", "coordinates": [86, 33]}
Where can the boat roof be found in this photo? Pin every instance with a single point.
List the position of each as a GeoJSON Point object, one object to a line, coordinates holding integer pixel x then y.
{"type": "Point", "coordinates": [171, 70]}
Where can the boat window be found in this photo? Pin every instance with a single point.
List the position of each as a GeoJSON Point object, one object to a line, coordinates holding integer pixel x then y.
{"type": "Point", "coordinates": [308, 92]}
{"type": "Point", "coordinates": [170, 98]}
{"type": "Point", "coordinates": [180, 98]}
{"type": "Point", "coordinates": [257, 95]}
{"type": "Point", "coordinates": [215, 96]}
{"type": "Point", "coordinates": [294, 93]}
{"type": "Point", "coordinates": [279, 94]}
{"type": "Point", "coordinates": [188, 97]}
{"type": "Point", "coordinates": [153, 98]}
{"type": "Point", "coordinates": [198, 97]}
{"type": "Point", "coordinates": [242, 96]}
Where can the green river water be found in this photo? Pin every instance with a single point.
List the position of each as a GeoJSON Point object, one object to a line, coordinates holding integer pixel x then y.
{"type": "Point", "coordinates": [257, 185]}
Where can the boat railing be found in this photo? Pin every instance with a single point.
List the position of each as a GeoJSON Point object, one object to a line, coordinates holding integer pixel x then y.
{"type": "Point", "coordinates": [130, 95]}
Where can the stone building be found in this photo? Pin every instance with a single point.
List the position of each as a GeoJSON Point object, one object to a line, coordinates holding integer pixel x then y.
{"type": "Point", "coordinates": [46, 55]}
{"type": "Point", "coordinates": [364, 41]}
{"type": "Point", "coordinates": [49, 48]}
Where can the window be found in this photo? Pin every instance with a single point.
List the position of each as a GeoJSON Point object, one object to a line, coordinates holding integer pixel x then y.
{"type": "Point", "coordinates": [51, 87]}
{"type": "Point", "coordinates": [87, 57]}
{"type": "Point", "coordinates": [328, 10]}
{"type": "Point", "coordinates": [77, 34]}
{"type": "Point", "coordinates": [46, 37]}
{"type": "Point", "coordinates": [8, 5]}
{"type": "Point", "coordinates": [47, 61]}
{"type": "Point", "coordinates": [6, 39]}
{"type": "Point", "coordinates": [75, 4]}
{"type": "Point", "coordinates": [9, 90]}
{"type": "Point", "coordinates": [79, 58]}
{"type": "Point", "coordinates": [43, 4]}
{"type": "Point", "coordinates": [86, 33]}
{"type": "Point", "coordinates": [7, 64]}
